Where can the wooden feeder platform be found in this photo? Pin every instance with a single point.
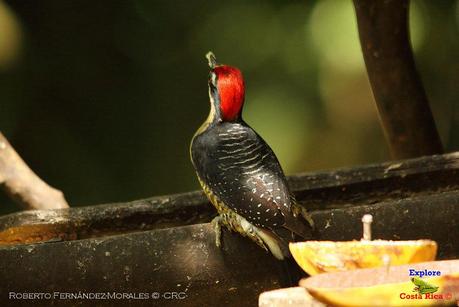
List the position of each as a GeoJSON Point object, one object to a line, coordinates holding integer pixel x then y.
{"type": "Point", "coordinates": [166, 244]}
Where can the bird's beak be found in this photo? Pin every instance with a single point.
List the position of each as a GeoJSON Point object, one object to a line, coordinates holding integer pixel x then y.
{"type": "Point", "coordinates": [211, 59]}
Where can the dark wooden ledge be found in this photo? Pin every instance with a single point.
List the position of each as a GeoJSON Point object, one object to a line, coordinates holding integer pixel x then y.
{"type": "Point", "coordinates": [166, 243]}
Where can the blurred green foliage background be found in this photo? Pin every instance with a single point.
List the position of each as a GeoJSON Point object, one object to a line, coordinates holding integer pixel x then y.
{"type": "Point", "coordinates": [101, 98]}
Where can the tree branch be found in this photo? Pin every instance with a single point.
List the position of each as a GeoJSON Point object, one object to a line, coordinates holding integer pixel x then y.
{"type": "Point", "coordinates": [23, 185]}
{"type": "Point", "coordinates": [402, 103]}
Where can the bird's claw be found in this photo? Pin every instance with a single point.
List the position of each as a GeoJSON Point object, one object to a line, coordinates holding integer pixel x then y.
{"type": "Point", "coordinates": [243, 227]}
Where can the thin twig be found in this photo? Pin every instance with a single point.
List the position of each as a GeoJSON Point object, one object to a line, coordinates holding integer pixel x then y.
{"type": "Point", "coordinates": [23, 185]}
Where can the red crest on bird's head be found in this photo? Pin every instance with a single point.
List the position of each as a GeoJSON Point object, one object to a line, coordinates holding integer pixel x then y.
{"type": "Point", "coordinates": [229, 85]}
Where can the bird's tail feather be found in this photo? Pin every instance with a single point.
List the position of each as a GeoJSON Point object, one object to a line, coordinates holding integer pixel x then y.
{"type": "Point", "coordinates": [277, 246]}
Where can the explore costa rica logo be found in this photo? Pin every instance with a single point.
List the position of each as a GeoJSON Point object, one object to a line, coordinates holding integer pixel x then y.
{"type": "Point", "coordinates": [423, 289]}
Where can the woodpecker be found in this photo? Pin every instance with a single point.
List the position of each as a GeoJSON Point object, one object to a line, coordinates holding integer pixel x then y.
{"type": "Point", "coordinates": [239, 172]}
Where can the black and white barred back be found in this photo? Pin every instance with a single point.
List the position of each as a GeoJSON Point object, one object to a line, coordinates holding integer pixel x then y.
{"type": "Point", "coordinates": [242, 171]}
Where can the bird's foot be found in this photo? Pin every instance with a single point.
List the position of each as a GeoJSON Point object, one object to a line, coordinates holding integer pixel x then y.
{"type": "Point", "coordinates": [238, 224]}
{"type": "Point", "coordinates": [217, 225]}
{"type": "Point", "coordinates": [300, 210]}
